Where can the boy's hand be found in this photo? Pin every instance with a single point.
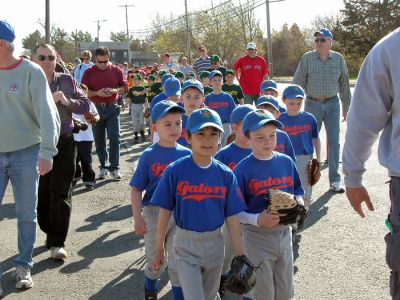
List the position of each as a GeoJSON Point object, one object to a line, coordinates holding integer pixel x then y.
{"type": "Point", "coordinates": [268, 220]}
{"type": "Point", "coordinates": [158, 260]}
{"type": "Point", "coordinates": [140, 225]}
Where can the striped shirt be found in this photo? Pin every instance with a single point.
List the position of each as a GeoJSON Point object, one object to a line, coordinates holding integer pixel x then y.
{"type": "Point", "coordinates": [324, 79]}
{"type": "Point", "coordinates": [201, 65]}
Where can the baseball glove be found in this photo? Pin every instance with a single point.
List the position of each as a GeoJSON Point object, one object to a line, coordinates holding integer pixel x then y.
{"type": "Point", "coordinates": [90, 118]}
{"type": "Point", "coordinates": [231, 138]}
{"type": "Point", "coordinates": [313, 171]}
{"type": "Point", "coordinates": [241, 277]}
{"type": "Point", "coordinates": [146, 113]}
{"type": "Point", "coordinates": [290, 210]}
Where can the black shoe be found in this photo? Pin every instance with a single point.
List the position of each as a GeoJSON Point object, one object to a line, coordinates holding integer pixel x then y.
{"type": "Point", "coordinates": [221, 289]}
{"type": "Point", "coordinates": [150, 295]}
{"type": "Point", "coordinates": [136, 139]}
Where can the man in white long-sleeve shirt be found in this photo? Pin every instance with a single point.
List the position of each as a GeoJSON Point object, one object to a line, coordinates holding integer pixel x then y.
{"type": "Point", "coordinates": [30, 126]}
{"type": "Point", "coordinates": [375, 107]}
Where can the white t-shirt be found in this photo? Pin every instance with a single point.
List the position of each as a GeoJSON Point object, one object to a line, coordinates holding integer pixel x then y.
{"type": "Point", "coordinates": [86, 135]}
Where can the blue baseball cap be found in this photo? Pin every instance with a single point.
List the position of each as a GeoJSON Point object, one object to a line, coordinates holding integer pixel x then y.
{"type": "Point", "coordinates": [257, 119]}
{"type": "Point", "coordinates": [268, 85]}
{"type": "Point", "coordinates": [172, 87]}
{"type": "Point", "coordinates": [165, 77]}
{"type": "Point", "coordinates": [203, 117]}
{"type": "Point", "coordinates": [268, 99]}
{"type": "Point", "coordinates": [193, 83]}
{"type": "Point", "coordinates": [240, 112]}
{"type": "Point", "coordinates": [215, 73]}
{"type": "Point", "coordinates": [325, 32]}
{"type": "Point", "coordinates": [293, 91]}
{"type": "Point", "coordinates": [163, 107]}
{"type": "Point", "coordinates": [6, 31]}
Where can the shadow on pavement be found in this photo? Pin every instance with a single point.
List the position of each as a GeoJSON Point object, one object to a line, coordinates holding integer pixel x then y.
{"type": "Point", "coordinates": [112, 214]}
{"type": "Point", "coordinates": [103, 247]}
{"type": "Point", "coordinates": [7, 211]}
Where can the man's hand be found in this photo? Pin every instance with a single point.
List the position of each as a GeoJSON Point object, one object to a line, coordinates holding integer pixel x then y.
{"type": "Point", "coordinates": [356, 197]}
{"type": "Point", "coordinates": [45, 166]}
{"type": "Point", "coordinates": [268, 220]}
{"type": "Point", "coordinates": [344, 115]}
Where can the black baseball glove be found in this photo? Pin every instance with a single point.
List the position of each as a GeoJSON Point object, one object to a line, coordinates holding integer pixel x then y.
{"type": "Point", "coordinates": [241, 277]}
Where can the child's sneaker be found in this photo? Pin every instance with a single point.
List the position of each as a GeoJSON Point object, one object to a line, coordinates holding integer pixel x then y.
{"type": "Point", "coordinates": [58, 253]}
{"type": "Point", "coordinates": [23, 277]}
{"type": "Point", "coordinates": [143, 136]}
{"type": "Point", "coordinates": [116, 175]}
{"type": "Point", "coordinates": [150, 295]}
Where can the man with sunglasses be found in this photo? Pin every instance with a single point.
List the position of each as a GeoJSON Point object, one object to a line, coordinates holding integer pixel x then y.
{"type": "Point", "coordinates": [30, 127]}
{"type": "Point", "coordinates": [215, 61]}
{"type": "Point", "coordinates": [105, 82]}
{"type": "Point", "coordinates": [202, 63]}
{"type": "Point", "coordinates": [323, 74]}
{"type": "Point", "coordinates": [86, 56]}
{"type": "Point", "coordinates": [54, 204]}
{"type": "Point", "coordinates": [251, 70]}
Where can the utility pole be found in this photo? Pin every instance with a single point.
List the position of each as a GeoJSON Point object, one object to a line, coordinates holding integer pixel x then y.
{"type": "Point", "coordinates": [128, 40]}
{"type": "Point", "coordinates": [269, 39]}
{"type": "Point", "coordinates": [98, 30]}
{"type": "Point", "coordinates": [187, 32]}
{"type": "Point", "coordinates": [47, 22]}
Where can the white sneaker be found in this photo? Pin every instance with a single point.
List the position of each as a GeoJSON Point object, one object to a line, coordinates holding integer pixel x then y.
{"type": "Point", "coordinates": [23, 277]}
{"type": "Point", "coordinates": [103, 173]}
{"type": "Point", "coordinates": [116, 175]}
{"type": "Point", "coordinates": [335, 186]}
{"type": "Point", "coordinates": [58, 253]}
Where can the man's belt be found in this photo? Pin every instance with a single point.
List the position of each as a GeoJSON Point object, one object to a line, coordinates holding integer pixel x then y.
{"type": "Point", "coordinates": [103, 104]}
{"type": "Point", "coordinates": [320, 99]}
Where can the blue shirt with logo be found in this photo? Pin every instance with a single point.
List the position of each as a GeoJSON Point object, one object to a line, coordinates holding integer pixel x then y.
{"type": "Point", "coordinates": [256, 176]}
{"type": "Point", "coordinates": [301, 129]}
{"type": "Point", "coordinates": [200, 198]}
{"type": "Point", "coordinates": [222, 103]}
{"type": "Point", "coordinates": [284, 145]}
{"type": "Point", "coordinates": [182, 139]}
{"type": "Point", "coordinates": [152, 163]}
{"type": "Point", "coordinates": [231, 155]}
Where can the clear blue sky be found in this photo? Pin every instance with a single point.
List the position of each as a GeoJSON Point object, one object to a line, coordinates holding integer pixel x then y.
{"type": "Point", "coordinates": [74, 15]}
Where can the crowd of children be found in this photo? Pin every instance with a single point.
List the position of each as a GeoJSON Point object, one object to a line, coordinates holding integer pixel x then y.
{"type": "Point", "coordinates": [199, 201]}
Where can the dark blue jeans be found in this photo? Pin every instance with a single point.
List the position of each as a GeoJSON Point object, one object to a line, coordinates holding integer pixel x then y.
{"type": "Point", "coordinates": [107, 127]}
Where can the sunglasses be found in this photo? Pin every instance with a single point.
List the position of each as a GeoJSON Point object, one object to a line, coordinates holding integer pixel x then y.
{"type": "Point", "coordinates": [214, 63]}
{"type": "Point", "coordinates": [42, 57]}
{"type": "Point", "coordinates": [102, 61]}
{"type": "Point", "coordinates": [322, 40]}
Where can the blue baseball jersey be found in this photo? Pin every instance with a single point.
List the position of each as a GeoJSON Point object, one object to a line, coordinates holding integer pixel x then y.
{"type": "Point", "coordinates": [256, 176]}
{"type": "Point", "coordinates": [152, 163]}
{"type": "Point", "coordinates": [182, 139]}
{"type": "Point", "coordinates": [231, 155]}
{"type": "Point", "coordinates": [222, 103]}
{"type": "Point", "coordinates": [284, 145]}
{"type": "Point", "coordinates": [301, 129]}
{"type": "Point", "coordinates": [160, 97]}
{"type": "Point", "coordinates": [200, 198]}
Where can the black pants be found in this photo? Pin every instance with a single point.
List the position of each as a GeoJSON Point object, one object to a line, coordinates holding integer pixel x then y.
{"type": "Point", "coordinates": [54, 197]}
{"type": "Point", "coordinates": [84, 162]}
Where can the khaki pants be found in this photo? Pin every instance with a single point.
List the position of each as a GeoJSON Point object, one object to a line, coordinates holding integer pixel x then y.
{"type": "Point", "coordinates": [137, 111]}
{"type": "Point", "coordinates": [150, 215]}
{"type": "Point", "coordinates": [271, 249]}
{"type": "Point", "coordinates": [199, 257]}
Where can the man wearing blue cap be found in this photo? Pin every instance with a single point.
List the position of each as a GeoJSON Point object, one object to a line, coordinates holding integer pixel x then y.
{"type": "Point", "coordinates": [323, 74]}
{"type": "Point", "coordinates": [30, 127]}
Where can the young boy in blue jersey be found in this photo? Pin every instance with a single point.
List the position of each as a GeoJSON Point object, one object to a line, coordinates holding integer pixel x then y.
{"type": "Point", "coordinates": [302, 129]}
{"type": "Point", "coordinates": [283, 143]}
{"type": "Point", "coordinates": [221, 102]}
{"type": "Point", "coordinates": [267, 243]}
{"type": "Point", "coordinates": [166, 116]}
{"type": "Point", "coordinates": [202, 193]}
{"type": "Point", "coordinates": [270, 88]}
{"type": "Point", "coordinates": [230, 156]}
{"type": "Point", "coordinates": [192, 98]}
